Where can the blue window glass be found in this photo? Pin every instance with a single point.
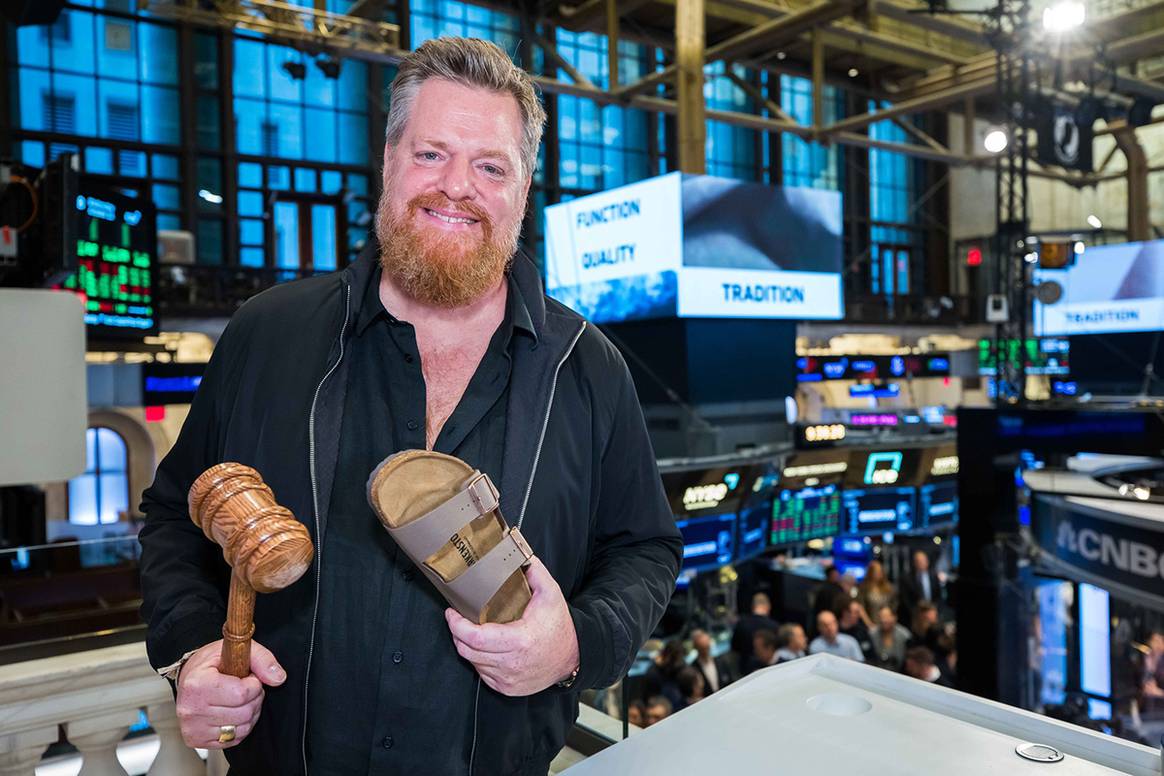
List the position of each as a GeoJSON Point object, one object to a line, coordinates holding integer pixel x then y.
{"type": "Point", "coordinates": [279, 178]}
{"type": "Point", "coordinates": [116, 41]}
{"type": "Point", "coordinates": [250, 175]}
{"type": "Point", "coordinates": [166, 197]}
{"type": "Point", "coordinates": [131, 163]}
{"type": "Point", "coordinates": [352, 91]}
{"type": "Point", "coordinates": [286, 235]}
{"type": "Point", "coordinates": [283, 132]}
{"type": "Point", "coordinates": [159, 54]}
{"type": "Point", "coordinates": [165, 167]}
{"type": "Point", "coordinates": [320, 146]}
{"type": "Point", "coordinates": [283, 85]}
{"type": "Point", "coordinates": [250, 203]}
{"type": "Point", "coordinates": [168, 221]}
{"type": "Point", "coordinates": [32, 46]}
{"type": "Point", "coordinates": [208, 241]}
{"type": "Point", "coordinates": [71, 44]}
{"type": "Point", "coordinates": [73, 97]}
{"type": "Point", "coordinates": [100, 495]}
{"type": "Point", "coordinates": [251, 257]}
{"type": "Point", "coordinates": [319, 90]}
{"type": "Point", "coordinates": [353, 139]}
{"type": "Point", "coordinates": [304, 179]}
{"type": "Point", "coordinates": [804, 163]}
{"type": "Point", "coordinates": [99, 160]}
{"type": "Point", "coordinates": [332, 182]}
{"type": "Point", "coordinates": [207, 132]}
{"type": "Point", "coordinates": [32, 153]}
{"type": "Point", "coordinates": [250, 231]}
{"type": "Point", "coordinates": [891, 194]}
{"type": "Point", "coordinates": [250, 78]}
{"type": "Point", "coordinates": [448, 17]}
{"type": "Point", "coordinates": [160, 115]}
{"type": "Point", "coordinates": [249, 118]}
{"type": "Point", "coordinates": [323, 237]}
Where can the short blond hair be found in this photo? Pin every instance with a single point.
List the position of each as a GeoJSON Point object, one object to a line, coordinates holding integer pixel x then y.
{"type": "Point", "coordinates": [470, 62]}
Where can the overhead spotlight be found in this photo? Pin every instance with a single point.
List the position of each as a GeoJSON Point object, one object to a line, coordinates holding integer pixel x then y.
{"type": "Point", "coordinates": [296, 70]}
{"type": "Point", "coordinates": [210, 196]}
{"type": "Point", "coordinates": [1087, 111]}
{"type": "Point", "coordinates": [1079, 247]}
{"type": "Point", "coordinates": [1094, 222]}
{"type": "Point", "coordinates": [1031, 258]}
{"type": "Point", "coordinates": [1063, 16]}
{"type": "Point", "coordinates": [781, 55]}
{"type": "Point", "coordinates": [854, 72]}
{"type": "Point", "coordinates": [329, 66]}
{"type": "Point", "coordinates": [995, 141]}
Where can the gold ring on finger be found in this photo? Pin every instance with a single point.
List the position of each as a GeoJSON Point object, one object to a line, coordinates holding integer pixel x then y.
{"type": "Point", "coordinates": [225, 734]}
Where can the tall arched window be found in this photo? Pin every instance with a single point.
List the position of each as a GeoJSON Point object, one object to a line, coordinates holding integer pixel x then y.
{"type": "Point", "coordinates": [101, 494]}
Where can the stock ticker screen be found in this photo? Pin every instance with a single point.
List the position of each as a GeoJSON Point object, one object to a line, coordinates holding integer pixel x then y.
{"type": "Point", "coordinates": [116, 261]}
{"type": "Point", "coordinates": [808, 513]}
{"type": "Point", "coordinates": [938, 502]}
{"type": "Point", "coordinates": [708, 542]}
{"type": "Point", "coordinates": [879, 510]}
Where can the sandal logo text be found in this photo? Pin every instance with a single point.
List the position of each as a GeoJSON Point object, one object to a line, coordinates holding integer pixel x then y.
{"type": "Point", "coordinates": [464, 548]}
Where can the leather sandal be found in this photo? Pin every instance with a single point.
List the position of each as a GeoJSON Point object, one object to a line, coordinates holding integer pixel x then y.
{"type": "Point", "coordinates": [444, 514]}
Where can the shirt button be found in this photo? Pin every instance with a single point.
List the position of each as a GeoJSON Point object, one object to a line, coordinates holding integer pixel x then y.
{"type": "Point", "coordinates": [387, 742]}
{"type": "Point", "coordinates": [412, 425]}
{"type": "Point", "coordinates": [397, 657]}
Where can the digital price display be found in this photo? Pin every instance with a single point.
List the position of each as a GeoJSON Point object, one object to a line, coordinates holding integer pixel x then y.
{"type": "Point", "coordinates": [815, 369]}
{"type": "Point", "coordinates": [172, 383]}
{"type": "Point", "coordinates": [808, 513]}
{"type": "Point", "coordinates": [116, 260]}
{"type": "Point", "coordinates": [938, 503]}
{"type": "Point", "coordinates": [879, 511]}
{"type": "Point", "coordinates": [1046, 356]}
{"type": "Point", "coordinates": [708, 542]}
{"type": "Point", "coordinates": [755, 512]}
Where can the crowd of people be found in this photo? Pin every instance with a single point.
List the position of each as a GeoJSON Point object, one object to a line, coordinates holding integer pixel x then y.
{"type": "Point", "coordinates": [862, 622]}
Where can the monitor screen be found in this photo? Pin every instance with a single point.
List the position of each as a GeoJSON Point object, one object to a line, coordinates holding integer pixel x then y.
{"type": "Point", "coordinates": [808, 513]}
{"type": "Point", "coordinates": [755, 511]}
{"type": "Point", "coordinates": [708, 542]}
{"type": "Point", "coordinates": [703, 491]}
{"type": "Point", "coordinates": [879, 511]}
{"type": "Point", "coordinates": [116, 261]}
{"type": "Point", "coordinates": [877, 468]}
{"type": "Point", "coordinates": [939, 503]}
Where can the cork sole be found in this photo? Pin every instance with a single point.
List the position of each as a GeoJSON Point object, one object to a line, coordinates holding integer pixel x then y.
{"type": "Point", "coordinates": [409, 485]}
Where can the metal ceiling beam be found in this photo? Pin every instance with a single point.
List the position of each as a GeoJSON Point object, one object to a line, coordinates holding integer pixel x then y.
{"type": "Point", "coordinates": [917, 105]}
{"type": "Point", "coordinates": [926, 55]}
{"type": "Point", "coordinates": [917, 15]}
{"type": "Point", "coordinates": [771, 33]}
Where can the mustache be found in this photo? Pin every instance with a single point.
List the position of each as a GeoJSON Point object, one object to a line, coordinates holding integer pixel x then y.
{"type": "Point", "coordinates": [434, 201]}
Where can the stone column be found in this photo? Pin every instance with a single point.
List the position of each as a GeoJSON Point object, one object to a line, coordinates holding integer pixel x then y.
{"type": "Point", "coordinates": [20, 752]}
{"type": "Point", "coordinates": [97, 737]}
{"type": "Point", "coordinates": [174, 757]}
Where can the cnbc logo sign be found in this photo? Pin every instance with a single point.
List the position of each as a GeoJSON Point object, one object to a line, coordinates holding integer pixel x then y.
{"type": "Point", "coordinates": [883, 468]}
{"type": "Point", "coordinates": [708, 496]}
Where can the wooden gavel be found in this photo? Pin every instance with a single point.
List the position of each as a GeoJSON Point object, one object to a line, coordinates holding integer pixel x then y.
{"type": "Point", "coordinates": [266, 547]}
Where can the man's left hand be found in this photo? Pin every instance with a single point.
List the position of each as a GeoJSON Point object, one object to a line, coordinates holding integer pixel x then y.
{"type": "Point", "coordinates": [527, 655]}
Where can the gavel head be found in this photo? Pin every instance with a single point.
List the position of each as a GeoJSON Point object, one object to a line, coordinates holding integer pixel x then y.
{"type": "Point", "coordinates": [262, 541]}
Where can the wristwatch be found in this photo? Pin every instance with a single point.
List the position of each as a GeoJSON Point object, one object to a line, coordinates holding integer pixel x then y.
{"type": "Point", "coordinates": [568, 682]}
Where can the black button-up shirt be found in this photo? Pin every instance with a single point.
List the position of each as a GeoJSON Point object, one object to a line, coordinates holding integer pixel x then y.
{"type": "Point", "coordinates": [388, 693]}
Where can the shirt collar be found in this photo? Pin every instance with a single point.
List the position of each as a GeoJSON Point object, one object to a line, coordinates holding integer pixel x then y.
{"type": "Point", "coordinates": [371, 308]}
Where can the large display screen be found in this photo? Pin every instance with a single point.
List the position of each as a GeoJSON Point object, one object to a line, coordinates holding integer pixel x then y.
{"type": "Point", "coordinates": [938, 503]}
{"type": "Point", "coordinates": [808, 513]}
{"type": "Point", "coordinates": [116, 259]}
{"type": "Point", "coordinates": [814, 369]}
{"type": "Point", "coordinates": [708, 542]}
{"type": "Point", "coordinates": [1047, 356]}
{"type": "Point", "coordinates": [700, 491]}
{"type": "Point", "coordinates": [755, 512]}
{"type": "Point", "coordinates": [1110, 288]}
{"type": "Point", "coordinates": [697, 246]}
{"type": "Point", "coordinates": [883, 468]}
{"type": "Point", "coordinates": [879, 511]}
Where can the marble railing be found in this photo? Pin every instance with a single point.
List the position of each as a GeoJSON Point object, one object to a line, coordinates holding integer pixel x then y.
{"type": "Point", "coordinates": [92, 698]}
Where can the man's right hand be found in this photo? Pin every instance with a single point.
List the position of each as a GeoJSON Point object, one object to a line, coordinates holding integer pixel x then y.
{"type": "Point", "coordinates": [208, 699]}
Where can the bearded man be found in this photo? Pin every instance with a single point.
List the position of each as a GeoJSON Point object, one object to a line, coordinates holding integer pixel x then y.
{"type": "Point", "coordinates": [438, 337]}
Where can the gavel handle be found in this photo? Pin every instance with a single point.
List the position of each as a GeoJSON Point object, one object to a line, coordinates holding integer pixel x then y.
{"type": "Point", "coordinates": [238, 629]}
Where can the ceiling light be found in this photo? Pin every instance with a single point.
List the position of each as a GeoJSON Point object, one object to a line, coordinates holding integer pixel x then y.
{"type": "Point", "coordinates": [1079, 247]}
{"type": "Point", "coordinates": [1063, 16]}
{"type": "Point", "coordinates": [781, 55]}
{"type": "Point", "coordinates": [1094, 222]}
{"type": "Point", "coordinates": [1031, 258]}
{"type": "Point", "coordinates": [995, 141]}
{"type": "Point", "coordinates": [854, 72]}
{"type": "Point", "coordinates": [210, 196]}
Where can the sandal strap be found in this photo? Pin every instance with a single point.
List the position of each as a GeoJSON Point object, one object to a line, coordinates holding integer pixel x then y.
{"type": "Point", "coordinates": [470, 592]}
{"type": "Point", "coordinates": [427, 534]}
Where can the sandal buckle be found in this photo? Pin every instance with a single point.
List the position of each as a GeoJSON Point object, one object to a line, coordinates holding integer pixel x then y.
{"type": "Point", "coordinates": [521, 544]}
{"type": "Point", "coordinates": [482, 493]}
